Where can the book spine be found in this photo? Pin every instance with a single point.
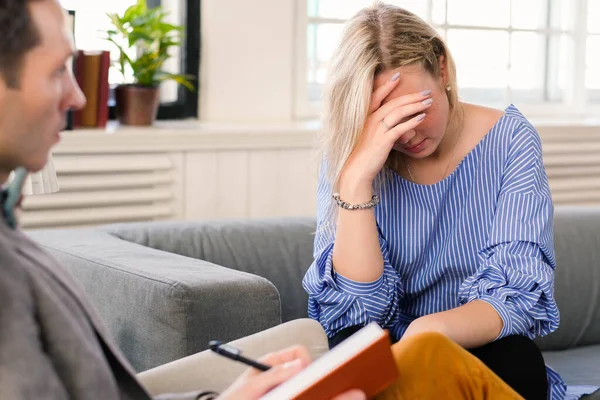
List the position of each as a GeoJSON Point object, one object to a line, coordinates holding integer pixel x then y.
{"type": "Point", "coordinates": [103, 88]}
{"type": "Point", "coordinates": [91, 75]}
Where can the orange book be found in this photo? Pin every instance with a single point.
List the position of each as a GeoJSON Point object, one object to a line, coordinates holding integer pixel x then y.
{"type": "Point", "coordinates": [363, 361]}
{"type": "Point", "coordinates": [89, 87]}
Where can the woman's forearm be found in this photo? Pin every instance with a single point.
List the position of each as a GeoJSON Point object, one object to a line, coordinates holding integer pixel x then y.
{"type": "Point", "coordinates": [471, 325]}
{"type": "Point", "coordinates": [356, 252]}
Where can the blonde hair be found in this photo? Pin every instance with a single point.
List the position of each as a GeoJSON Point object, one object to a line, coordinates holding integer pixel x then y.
{"type": "Point", "coordinates": [380, 37]}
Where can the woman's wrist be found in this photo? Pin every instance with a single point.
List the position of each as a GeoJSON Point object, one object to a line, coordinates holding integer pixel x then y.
{"type": "Point", "coordinates": [355, 189]}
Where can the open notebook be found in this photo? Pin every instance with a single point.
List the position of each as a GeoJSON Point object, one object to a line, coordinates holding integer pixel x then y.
{"type": "Point", "coordinates": [363, 361]}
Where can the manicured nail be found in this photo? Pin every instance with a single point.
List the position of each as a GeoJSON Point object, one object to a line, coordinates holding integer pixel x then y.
{"type": "Point", "coordinates": [395, 76]}
{"type": "Point", "coordinates": [421, 117]}
{"type": "Point", "coordinates": [427, 102]}
{"type": "Point", "coordinates": [425, 92]}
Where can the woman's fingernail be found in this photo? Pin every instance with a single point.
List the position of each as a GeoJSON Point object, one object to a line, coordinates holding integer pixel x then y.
{"type": "Point", "coordinates": [425, 92]}
{"type": "Point", "coordinates": [395, 76]}
{"type": "Point", "coordinates": [421, 117]}
{"type": "Point", "coordinates": [427, 102]}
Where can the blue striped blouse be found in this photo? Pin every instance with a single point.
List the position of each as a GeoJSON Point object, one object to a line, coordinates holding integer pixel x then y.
{"type": "Point", "coordinates": [484, 232]}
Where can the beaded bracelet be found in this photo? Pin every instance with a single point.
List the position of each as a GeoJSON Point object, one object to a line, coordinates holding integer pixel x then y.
{"type": "Point", "coordinates": [348, 206]}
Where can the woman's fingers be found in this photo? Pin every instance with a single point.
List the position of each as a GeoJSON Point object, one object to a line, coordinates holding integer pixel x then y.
{"type": "Point", "coordinates": [401, 101]}
{"type": "Point", "coordinates": [398, 132]}
{"type": "Point", "coordinates": [383, 91]}
{"type": "Point", "coordinates": [403, 113]}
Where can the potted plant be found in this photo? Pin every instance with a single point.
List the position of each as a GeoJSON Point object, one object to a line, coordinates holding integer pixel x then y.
{"type": "Point", "coordinates": [143, 39]}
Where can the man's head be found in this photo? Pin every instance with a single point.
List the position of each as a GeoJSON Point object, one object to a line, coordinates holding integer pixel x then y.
{"type": "Point", "coordinates": [36, 83]}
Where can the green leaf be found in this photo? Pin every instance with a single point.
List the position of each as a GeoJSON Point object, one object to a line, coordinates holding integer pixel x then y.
{"type": "Point", "coordinates": [145, 30]}
{"type": "Point", "coordinates": [136, 36]}
{"type": "Point", "coordinates": [183, 80]}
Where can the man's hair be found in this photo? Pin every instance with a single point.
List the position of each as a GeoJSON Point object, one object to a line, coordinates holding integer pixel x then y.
{"type": "Point", "coordinates": [18, 35]}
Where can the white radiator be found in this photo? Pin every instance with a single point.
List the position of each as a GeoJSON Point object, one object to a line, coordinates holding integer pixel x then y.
{"type": "Point", "coordinates": [572, 159]}
{"type": "Point", "coordinates": [99, 189]}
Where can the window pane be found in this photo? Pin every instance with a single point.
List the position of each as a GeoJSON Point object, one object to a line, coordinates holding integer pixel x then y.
{"type": "Point", "coordinates": [91, 21]}
{"type": "Point", "coordinates": [592, 14]}
{"type": "Point", "coordinates": [592, 59]}
{"type": "Point", "coordinates": [527, 60]}
{"type": "Point", "coordinates": [438, 12]}
{"type": "Point", "coordinates": [345, 9]}
{"type": "Point", "coordinates": [168, 89]}
{"type": "Point", "coordinates": [482, 74]}
{"type": "Point", "coordinates": [560, 66]}
{"type": "Point", "coordinates": [322, 40]}
{"type": "Point", "coordinates": [592, 77]}
{"type": "Point", "coordinates": [527, 67]}
{"type": "Point", "coordinates": [561, 13]}
{"type": "Point", "coordinates": [478, 48]}
{"type": "Point", "coordinates": [529, 14]}
{"type": "Point", "coordinates": [479, 13]}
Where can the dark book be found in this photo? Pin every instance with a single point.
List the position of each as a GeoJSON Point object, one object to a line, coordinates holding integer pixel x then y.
{"type": "Point", "coordinates": [103, 89]}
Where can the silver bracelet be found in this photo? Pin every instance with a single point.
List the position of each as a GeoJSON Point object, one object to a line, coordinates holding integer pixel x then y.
{"type": "Point", "coordinates": [348, 206]}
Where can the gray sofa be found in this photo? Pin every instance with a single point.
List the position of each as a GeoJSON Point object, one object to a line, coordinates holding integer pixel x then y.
{"type": "Point", "coordinates": [165, 289]}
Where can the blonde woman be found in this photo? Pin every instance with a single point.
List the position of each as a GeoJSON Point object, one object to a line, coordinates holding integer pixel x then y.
{"type": "Point", "coordinates": [434, 215]}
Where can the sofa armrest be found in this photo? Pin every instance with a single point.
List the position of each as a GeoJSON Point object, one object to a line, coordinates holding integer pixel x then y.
{"type": "Point", "coordinates": [161, 306]}
{"type": "Point", "coordinates": [278, 249]}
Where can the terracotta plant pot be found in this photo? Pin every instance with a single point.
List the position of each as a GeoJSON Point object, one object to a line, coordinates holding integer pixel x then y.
{"type": "Point", "coordinates": [136, 105]}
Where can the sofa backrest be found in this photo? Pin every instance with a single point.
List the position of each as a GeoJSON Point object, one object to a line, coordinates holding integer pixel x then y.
{"type": "Point", "coordinates": [577, 277]}
{"type": "Point", "coordinates": [279, 250]}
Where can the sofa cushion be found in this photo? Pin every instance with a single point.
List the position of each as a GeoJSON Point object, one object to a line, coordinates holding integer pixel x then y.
{"type": "Point", "coordinates": [577, 278]}
{"type": "Point", "coordinates": [577, 366]}
{"type": "Point", "coordinates": [279, 250]}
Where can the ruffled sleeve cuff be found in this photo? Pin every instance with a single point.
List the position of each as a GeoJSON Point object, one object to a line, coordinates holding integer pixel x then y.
{"type": "Point", "coordinates": [525, 302]}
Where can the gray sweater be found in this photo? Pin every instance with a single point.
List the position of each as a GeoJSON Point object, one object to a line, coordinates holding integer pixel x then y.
{"type": "Point", "coordinates": [52, 342]}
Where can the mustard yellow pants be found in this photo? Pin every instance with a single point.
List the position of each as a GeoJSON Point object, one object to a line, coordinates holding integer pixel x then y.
{"type": "Point", "coordinates": [432, 366]}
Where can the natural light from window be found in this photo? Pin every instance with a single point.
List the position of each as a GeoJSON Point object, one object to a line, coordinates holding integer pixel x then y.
{"type": "Point", "coordinates": [91, 23]}
{"type": "Point", "coordinates": [531, 52]}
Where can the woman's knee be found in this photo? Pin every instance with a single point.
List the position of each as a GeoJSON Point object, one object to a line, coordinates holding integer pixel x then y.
{"type": "Point", "coordinates": [426, 349]}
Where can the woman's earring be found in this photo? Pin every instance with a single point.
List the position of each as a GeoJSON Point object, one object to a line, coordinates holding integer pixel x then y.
{"type": "Point", "coordinates": [448, 88]}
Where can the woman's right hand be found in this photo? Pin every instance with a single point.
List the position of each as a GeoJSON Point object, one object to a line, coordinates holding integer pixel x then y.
{"type": "Point", "coordinates": [378, 139]}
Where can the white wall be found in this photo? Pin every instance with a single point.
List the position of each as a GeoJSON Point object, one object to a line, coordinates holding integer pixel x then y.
{"type": "Point", "coordinates": [247, 60]}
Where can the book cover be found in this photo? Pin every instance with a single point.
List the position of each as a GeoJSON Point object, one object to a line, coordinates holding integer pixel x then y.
{"type": "Point", "coordinates": [363, 361]}
{"type": "Point", "coordinates": [89, 87]}
{"type": "Point", "coordinates": [103, 90]}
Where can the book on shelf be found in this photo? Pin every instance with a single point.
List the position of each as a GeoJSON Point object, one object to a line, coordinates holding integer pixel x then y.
{"type": "Point", "coordinates": [91, 72]}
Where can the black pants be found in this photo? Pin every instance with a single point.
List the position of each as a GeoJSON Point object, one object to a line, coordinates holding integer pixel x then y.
{"type": "Point", "coordinates": [515, 359]}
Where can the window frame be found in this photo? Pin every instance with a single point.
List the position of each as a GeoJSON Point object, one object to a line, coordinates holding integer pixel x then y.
{"type": "Point", "coordinates": [574, 104]}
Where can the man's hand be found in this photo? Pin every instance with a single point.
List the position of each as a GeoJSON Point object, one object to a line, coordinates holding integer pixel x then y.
{"type": "Point", "coordinates": [285, 364]}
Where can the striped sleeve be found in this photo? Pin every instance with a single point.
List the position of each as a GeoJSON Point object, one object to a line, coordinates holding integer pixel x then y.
{"type": "Point", "coordinates": [338, 302]}
{"type": "Point", "coordinates": [516, 275]}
